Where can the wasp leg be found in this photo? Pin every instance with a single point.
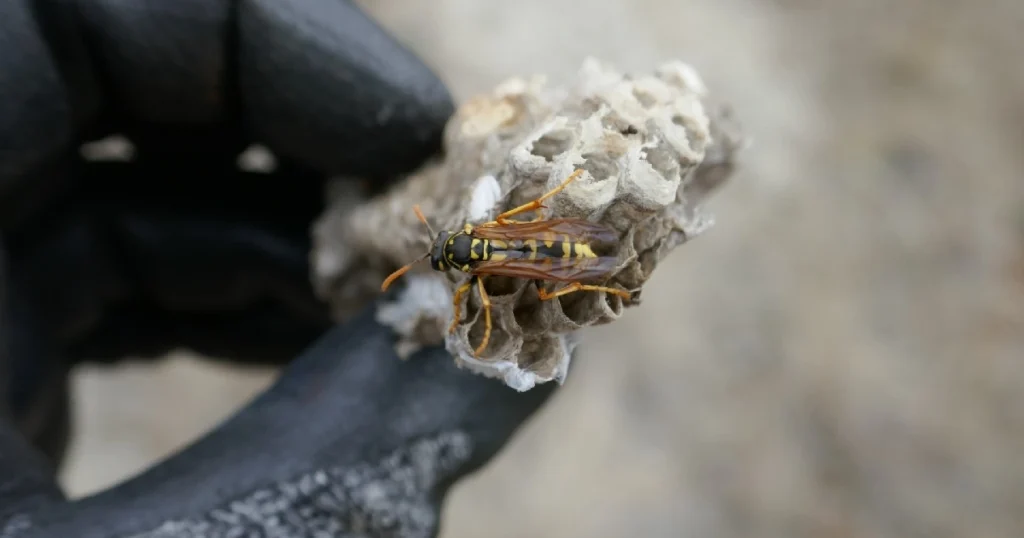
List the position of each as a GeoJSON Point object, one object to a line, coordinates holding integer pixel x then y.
{"type": "Point", "coordinates": [536, 204]}
{"type": "Point", "coordinates": [576, 286]}
{"type": "Point", "coordinates": [485, 301]}
{"type": "Point", "coordinates": [457, 302]}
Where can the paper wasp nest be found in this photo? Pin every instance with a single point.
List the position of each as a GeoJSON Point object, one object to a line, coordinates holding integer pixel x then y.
{"type": "Point", "coordinates": [651, 152]}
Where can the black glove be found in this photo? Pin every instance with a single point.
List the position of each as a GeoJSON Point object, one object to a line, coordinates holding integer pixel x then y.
{"type": "Point", "coordinates": [178, 248]}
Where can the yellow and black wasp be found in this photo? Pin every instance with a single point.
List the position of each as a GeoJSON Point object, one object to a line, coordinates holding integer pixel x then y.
{"type": "Point", "coordinates": [557, 250]}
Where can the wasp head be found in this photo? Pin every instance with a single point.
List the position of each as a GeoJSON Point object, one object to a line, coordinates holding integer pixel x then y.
{"type": "Point", "coordinates": [439, 253]}
{"type": "Point", "coordinates": [438, 260]}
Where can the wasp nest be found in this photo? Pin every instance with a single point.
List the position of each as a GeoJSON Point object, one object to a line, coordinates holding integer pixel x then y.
{"type": "Point", "coordinates": [650, 151]}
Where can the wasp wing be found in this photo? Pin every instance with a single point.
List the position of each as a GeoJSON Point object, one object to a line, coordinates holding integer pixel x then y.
{"type": "Point", "coordinates": [554, 269]}
{"type": "Point", "coordinates": [577, 229]}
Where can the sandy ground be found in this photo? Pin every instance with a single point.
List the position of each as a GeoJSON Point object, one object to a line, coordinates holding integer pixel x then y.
{"type": "Point", "coordinates": [839, 356]}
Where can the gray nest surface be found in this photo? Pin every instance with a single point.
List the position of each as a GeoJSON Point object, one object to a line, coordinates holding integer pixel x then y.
{"type": "Point", "coordinates": [651, 151]}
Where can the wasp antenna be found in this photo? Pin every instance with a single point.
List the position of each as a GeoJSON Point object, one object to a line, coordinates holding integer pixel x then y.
{"type": "Point", "coordinates": [401, 271]}
{"type": "Point", "coordinates": [419, 214]}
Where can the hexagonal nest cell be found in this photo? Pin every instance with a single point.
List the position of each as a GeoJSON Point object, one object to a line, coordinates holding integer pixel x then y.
{"type": "Point", "coordinates": [650, 152]}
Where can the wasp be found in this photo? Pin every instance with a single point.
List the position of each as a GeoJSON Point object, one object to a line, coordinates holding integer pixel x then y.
{"type": "Point", "coordinates": [561, 250]}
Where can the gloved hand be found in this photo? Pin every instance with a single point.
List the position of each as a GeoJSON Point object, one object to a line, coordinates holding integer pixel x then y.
{"type": "Point", "coordinates": [178, 248]}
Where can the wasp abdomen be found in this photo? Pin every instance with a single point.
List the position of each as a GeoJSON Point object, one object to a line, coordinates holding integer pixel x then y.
{"type": "Point", "coordinates": [558, 246]}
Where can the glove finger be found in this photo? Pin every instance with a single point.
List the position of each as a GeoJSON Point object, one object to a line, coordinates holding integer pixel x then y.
{"type": "Point", "coordinates": [350, 438]}
{"type": "Point", "coordinates": [262, 334]}
{"type": "Point", "coordinates": [27, 482]}
{"type": "Point", "coordinates": [323, 84]}
{"type": "Point", "coordinates": [35, 117]}
{"type": "Point", "coordinates": [26, 371]}
{"type": "Point", "coordinates": [226, 268]}
{"type": "Point", "coordinates": [317, 81]}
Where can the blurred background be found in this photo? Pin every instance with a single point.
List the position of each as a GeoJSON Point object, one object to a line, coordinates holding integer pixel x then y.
{"type": "Point", "coordinates": [840, 356]}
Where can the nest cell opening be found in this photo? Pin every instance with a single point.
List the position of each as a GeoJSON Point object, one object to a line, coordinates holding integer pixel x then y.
{"type": "Point", "coordinates": [552, 144]}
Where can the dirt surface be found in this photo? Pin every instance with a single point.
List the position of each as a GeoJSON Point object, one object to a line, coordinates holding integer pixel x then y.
{"type": "Point", "coordinates": [839, 356]}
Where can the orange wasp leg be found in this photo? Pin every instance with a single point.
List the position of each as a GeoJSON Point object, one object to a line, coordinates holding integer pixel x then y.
{"type": "Point", "coordinates": [536, 204]}
{"type": "Point", "coordinates": [576, 286]}
{"type": "Point", "coordinates": [486, 302]}
{"type": "Point", "coordinates": [457, 302]}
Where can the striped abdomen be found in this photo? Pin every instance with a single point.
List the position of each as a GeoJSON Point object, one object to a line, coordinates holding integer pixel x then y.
{"type": "Point", "coordinates": [559, 246]}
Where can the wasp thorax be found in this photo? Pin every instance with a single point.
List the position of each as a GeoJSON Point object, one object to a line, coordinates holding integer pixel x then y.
{"type": "Point", "coordinates": [437, 255]}
{"type": "Point", "coordinates": [459, 246]}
